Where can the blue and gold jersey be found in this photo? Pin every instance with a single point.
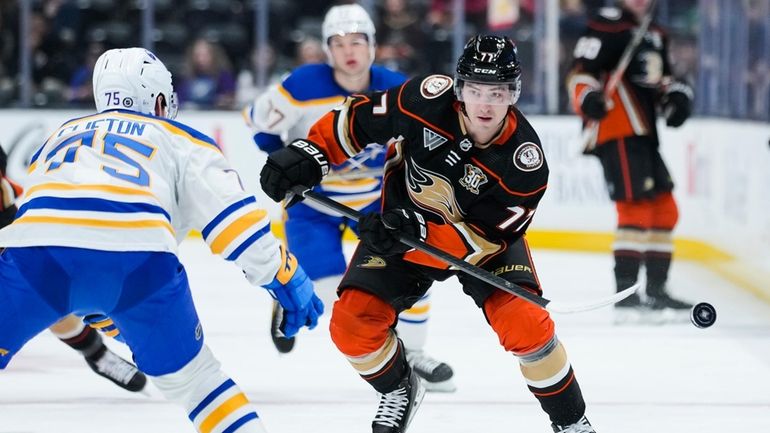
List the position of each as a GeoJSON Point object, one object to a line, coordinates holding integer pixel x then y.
{"type": "Point", "coordinates": [124, 181]}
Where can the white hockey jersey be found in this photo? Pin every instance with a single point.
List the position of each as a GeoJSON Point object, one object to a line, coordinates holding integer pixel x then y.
{"type": "Point", "coordinates": [124, 181]}
{"type": "Point", "coordinates": [286, 111]}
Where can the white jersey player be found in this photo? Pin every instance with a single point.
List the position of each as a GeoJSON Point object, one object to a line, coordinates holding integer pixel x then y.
{"type": "Point", "coordinates": [286, 112]}
{"type": "Point", "coordinates": [109, 196]}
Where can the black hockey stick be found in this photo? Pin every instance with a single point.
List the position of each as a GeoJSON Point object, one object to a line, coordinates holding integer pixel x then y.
{"type": "Point", "coordinates": [466, 267]}
{"type": "Point", "coordinates": [591, 130]}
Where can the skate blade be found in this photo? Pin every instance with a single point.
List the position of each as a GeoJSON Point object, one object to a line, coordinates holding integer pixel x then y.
{"type": "Point", "coordinates": [419, 395]}
{"type": "Point", "coordinates": [443, 386]}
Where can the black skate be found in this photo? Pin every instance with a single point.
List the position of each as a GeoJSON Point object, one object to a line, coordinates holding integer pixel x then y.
{"type": "Point", "coordinates": [665, 309]}
{"type": "Point", "coordinates": [630, 310]}
{"type": "Point", "coordinates": [399, 406]}
{"type": "Point", "coordinates": [283, 344]}
{"type": "Point", "coordinates": [110, 366]}
{"type": "Point", "coordinates": [582, 426]}
{"type": "Point", "coordinates": [436, 375]}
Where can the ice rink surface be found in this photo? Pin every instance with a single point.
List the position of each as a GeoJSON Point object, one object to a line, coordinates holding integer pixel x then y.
{"type": "Point", "coordinates": [636, 379]}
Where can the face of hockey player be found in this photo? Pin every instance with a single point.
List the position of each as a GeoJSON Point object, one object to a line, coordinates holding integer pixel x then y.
{"type": "Point", "coordinates": [486, 106]}
{"type": "Point", "coordinates": [637, 7]}
{"type": "Point", "coordinates": [350, 53]}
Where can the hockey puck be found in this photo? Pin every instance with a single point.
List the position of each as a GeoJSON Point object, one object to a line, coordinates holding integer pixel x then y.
{"type": "Point", "coordinates": [703, 315]}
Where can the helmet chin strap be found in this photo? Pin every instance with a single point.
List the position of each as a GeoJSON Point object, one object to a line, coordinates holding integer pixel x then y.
{"type": "Point", "coordinates": [160, 106]}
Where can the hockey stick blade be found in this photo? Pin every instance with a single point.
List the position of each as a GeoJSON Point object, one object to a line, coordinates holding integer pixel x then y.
{"type": "Point", "coordinates": [560, 307]}
{"type": "Point", "coordinates": [466, 267]}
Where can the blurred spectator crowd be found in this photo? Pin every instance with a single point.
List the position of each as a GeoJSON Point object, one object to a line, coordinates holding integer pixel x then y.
{"type": "Point", "coordinates": [209, 45]}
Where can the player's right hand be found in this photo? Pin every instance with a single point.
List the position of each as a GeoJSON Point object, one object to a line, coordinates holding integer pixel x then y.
{"type": "Point", "coordinates": [299, 163]}
{"type": "Point", "coordinates": [380, 233]}
{"type": "Point", "coordinates": [593, 105]}
{"type": "Point", "coordinates": [292, 288]}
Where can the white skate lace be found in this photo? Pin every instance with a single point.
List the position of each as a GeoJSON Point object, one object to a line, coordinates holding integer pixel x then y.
{"type": "Point", "coordinates": [581, 426]}
{"type": "Point", "coordinates": [113, 366]}
{"type": "Point", "coordinates": [422, 362]}
{"type": "Point", "coordinates": [392, 408]}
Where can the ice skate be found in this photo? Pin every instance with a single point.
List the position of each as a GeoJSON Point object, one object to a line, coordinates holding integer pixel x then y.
{"type": "Point", "coordinates": [283, 344]}
{"type": "Point", "coordinates": [436, 375]}
{"type": "Point", "coordinates": [582, 426]}
{"type": "Point", "coordinates": [107, 364]}
{"type": "Point", "coordinates": [630, 311]}
{"type": "Point", "coordinates": [397, 407]}
{"type": "Point", "coordinates": [664, 309]}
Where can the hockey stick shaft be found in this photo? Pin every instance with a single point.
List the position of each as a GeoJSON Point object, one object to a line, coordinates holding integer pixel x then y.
{"type": "Point", "coordinates": [466, 267]}
{"type": "Point", "coordinates": [591, 130]}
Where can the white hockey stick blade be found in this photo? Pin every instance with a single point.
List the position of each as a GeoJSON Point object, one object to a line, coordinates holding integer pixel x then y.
{"type": "Point", "coordinates": [566, 308]}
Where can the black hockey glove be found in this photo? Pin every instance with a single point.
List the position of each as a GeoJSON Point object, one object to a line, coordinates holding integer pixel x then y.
{"type": "Point", "coordinates": [593, 105]}
{"type": "Point", "coordinates": [677, 103]}
{"type": "Point", "coordinates": [299, 163]}
{"type": "Point", "coordinates": [379, 233]}
{"type": "Point", "coordinates": [6, 215]}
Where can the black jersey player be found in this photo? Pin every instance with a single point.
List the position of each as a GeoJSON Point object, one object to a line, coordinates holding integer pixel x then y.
{"type": "Point", "coordinates": [464, 172]}
{"type": "Point", "coordinates": [628, 147]}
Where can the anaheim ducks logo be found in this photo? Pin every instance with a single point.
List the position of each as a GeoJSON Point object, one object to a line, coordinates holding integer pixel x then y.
{"type": "Point", "coordinates": [473, 178]}
{"type": "Point", "coordinates": [528, 157]}
{"type": "Point", "coordinates": [434, 85]}
{"type": "Point", "coordinates": [372, 262]}
{"type": "Point", "coordinates": [433, 192]}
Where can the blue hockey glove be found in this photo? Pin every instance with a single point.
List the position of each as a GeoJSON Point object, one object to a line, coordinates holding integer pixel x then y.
{"type": "Point", "coordinates": [294, 291]}
{"type": "Point", "coordinates": [104, 324]}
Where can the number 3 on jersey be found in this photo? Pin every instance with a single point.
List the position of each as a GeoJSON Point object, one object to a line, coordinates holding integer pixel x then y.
{"type": "Point", "coordinates": [111, 145]}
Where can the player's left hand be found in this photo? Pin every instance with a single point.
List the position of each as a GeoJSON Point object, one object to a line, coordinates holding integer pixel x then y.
{"type": "Point", "coordinates": [379, 233]}
{"type": "Point", "coordinates": [104, 324]}
{"type": "Point", "coordinates": [294, 291]}
{"type": "Point", "coordinates": [677, 104]}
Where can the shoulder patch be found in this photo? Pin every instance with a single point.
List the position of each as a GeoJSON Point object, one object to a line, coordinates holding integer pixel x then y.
{"type": "Point", "coordinates": [610, 13]}
{"type": "Point", "coordinates": [434, 85]}
{"type": "Point", "coordinates": [528, 157]}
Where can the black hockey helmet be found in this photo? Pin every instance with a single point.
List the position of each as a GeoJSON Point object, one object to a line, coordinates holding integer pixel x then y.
{"type": "Point", "coordinates": [489, 59]}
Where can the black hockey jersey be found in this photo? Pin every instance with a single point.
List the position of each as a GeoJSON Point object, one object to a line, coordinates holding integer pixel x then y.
{"type": "Point", "coordinates": [476, 198]}
{"type": "Point", "coordinates": [633, 105]}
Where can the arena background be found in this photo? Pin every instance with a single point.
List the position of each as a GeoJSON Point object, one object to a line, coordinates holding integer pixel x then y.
{"type": "Point", "coordinates": [719, 159]}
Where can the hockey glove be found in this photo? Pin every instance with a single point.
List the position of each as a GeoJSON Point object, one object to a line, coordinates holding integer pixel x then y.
{"type": "Point", "coordinates": [292, 288]}
{"type": "Point", "coordinates": [104, 324]}
{"type": "Point", "coordinates": [379, 233]}
{"type": "Point", "coordinates": [299, 163]}
{"type": "Point", "coordinates": [677, 103]}
{"type": "Point", "coordinates": [593, 105]}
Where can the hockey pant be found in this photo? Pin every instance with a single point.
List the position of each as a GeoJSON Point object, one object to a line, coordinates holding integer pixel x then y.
{"type": "Point", "coordinates": [147, 295]}
{"type": "Point", "coordinates": [322, 258]}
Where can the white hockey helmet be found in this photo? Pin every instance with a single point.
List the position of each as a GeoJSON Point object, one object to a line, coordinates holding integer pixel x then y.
{"type": "Point", "coordinates": [132, 79]}
{"type": "Point", "coordinates": [345, 19]}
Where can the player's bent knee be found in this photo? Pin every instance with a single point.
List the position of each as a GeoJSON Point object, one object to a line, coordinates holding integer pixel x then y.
{"type": "Point", "coordinates": [360, 322]}
{"type": "Point", "coordinates": [521, 327]}
{"type": "Point", "coordinates": [185, 384]}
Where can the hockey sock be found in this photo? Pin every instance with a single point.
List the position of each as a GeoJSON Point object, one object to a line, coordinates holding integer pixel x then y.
{"type": "Point", "coordinates": [627, 250]}
{"type": "Point", "coordinates": [550, 378]}
{"type": "Point", "coordinates": [412, 325]}
{"type": "Point", "coordinates": [657, 261]}
{"type": "Point", "coordinates": [84, 339]}
{"type": "Point", "coordinates": [213, 401]}
{"type": "Point", "coordinates": [385, 367]}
